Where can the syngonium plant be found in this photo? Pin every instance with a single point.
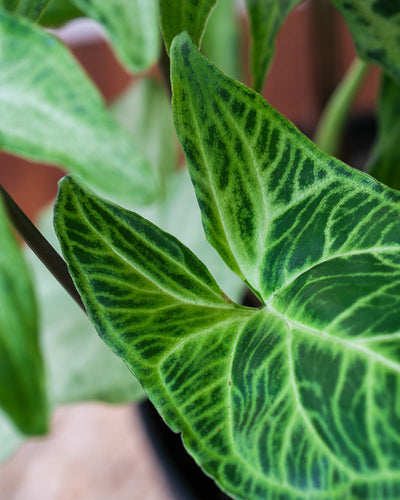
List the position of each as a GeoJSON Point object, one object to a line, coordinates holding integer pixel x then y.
{"type": "Point", "coordinates": [296, 399]}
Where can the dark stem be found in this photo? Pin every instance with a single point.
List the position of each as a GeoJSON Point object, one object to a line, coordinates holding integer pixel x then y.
{"type": "Point", "coordinates": [165, 68]}
{"type": "Point", "coordinates": [40, 246]}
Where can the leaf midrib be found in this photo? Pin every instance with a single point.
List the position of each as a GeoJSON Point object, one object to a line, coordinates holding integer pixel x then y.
{"type": "Point", "coordinates": [373, 251]}
{"type": "Point", "coordinates": [353, 345]}
{"type": "Point", "coordinates": [221, 303]}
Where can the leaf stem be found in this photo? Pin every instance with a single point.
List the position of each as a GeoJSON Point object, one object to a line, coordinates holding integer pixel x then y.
{"type": "Point", "coordinates": [40, 246]}
{"type": "Point", "coordinates": [329, 132]}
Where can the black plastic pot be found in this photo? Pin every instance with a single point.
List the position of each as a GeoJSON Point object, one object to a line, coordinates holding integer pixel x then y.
{"type": "Point", "coordinates": [187, 481]}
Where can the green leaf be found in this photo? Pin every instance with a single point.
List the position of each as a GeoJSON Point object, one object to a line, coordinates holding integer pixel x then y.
{"type": "Point", "coordinates": [143, 288]}
{"type": "Point", "coordinates": [132, 26]}
{"type": "Point", "coordinates": [59, 12]}
{"type": "Point", "coordinates": [321, 244]}
{"type": "Point", "coordinates": [22, 382]}
{"type": "Point", "coordinates": [145, 113]}
{"type": "Point", "coordinates": [297, 400]}
{"type": "Point", "coordinates": [79, 366]}
{"type": "Point", "coordinates": [32, 9]}
{"type": "Point", "coordinates": [266, 18]}
{"type": "Point", "coordinates": [50, 112]}
{"type": "Point", "coordinates": [221, 38]}
{"type": "Point", "coordinates": [384, 163]}
{"type": "Point", "coordinates": [184, 15]}
{"type": "Point", "coordinates": [267, 404]}
{"type": "Point", "coordinates": [375, 27]}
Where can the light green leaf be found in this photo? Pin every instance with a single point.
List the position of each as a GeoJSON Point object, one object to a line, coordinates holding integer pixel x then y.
{"type": "Point", "coordinates": [184, 15]}
{"type": "Point", "coordinates": [384, 163]}
{"type": "Point", "coordinates": [59, 12]}
{"type": "Point", "coordinates": [50, 112]}
{"type": "Point", "coordinates": [132, 26]}
{"type": "Point", "coordinates": [145, 112]}
{"type": "Point", "coordinates": [32, 9]}
{"type": "Point", "coordinates": [266, 18]}
{"type": "Point", "coordinates": [22, 382]}
{"type": "Point", "coordinates": [375, 27]}
{"type": "Point", "coordinates": [221, 38]}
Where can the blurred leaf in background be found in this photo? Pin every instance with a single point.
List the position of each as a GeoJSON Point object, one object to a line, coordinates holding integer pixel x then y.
{"type": "Point", "coordinates": [23, 395]}
{"type": "Point", "coordinates": [51, 112]}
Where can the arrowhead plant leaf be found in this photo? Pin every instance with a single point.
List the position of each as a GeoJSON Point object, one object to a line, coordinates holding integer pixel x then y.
{"type": "Point", "coordinates": [384, 163]}
{"type": "Point", "coordinates": [181, 15]}
{"type": "Point", "coordinates": [132, 26]}
{"type": "Point", "coordinates": [375, 27]}
{"type": "Point", "coordinates": [22, 383]}
{"type": "Point", "coordinates": [266, 17]}
{"type": "Point", "coordinates": [50, 112]}
{"type": "Point", "coordinates": [296, 400]}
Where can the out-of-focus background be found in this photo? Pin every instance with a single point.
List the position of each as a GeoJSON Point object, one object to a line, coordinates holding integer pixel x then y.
{"type": "Point", "coordinates": [102, 452]}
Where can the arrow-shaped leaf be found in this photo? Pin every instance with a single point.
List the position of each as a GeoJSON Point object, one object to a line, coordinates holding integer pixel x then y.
{"type": "Point", "coordinates": [132, 26]}
{"type": "Point", "coordinates": [375, 27]}
{"type": "Point", "coordinates": [296, 400]}
{"type": "Point", "coordinates": [266, 18]}
{"type": "Point", "coordinates": [22, 383]}
{"type": "Point", "coordinates": [320, 243]}
{"type": "Point", "coordinates": [50, 112]}
{"type": "Point", "coordinates": [184, 15]}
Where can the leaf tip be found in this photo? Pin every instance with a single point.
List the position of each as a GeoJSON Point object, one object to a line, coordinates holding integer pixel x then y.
{"type": "Point", "coordinates": [182, 44]}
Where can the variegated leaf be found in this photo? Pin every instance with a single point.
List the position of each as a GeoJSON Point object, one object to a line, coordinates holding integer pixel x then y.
{"type": "Point", "coordinates": [375, 26]}
{"type": "Point", "coordinates": [298, 399]}
{"type": "Point", "coordinates": [132, 26]}
{"type": "Point", "coordinates": [51, 112]}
